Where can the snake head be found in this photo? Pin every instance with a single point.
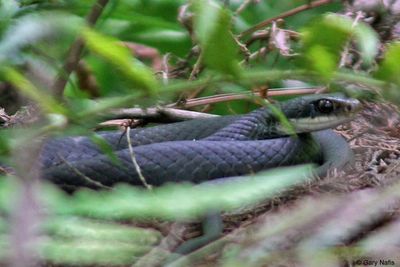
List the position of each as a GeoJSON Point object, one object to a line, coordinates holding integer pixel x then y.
{"type": "Point", "coordinates": [319, 112]}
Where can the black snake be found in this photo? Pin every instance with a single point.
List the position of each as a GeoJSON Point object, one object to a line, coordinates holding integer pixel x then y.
{"type": "Point", "coordinates": [206, 149]}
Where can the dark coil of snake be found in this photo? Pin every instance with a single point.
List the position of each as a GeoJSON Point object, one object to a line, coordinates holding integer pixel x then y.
{"type": "Point", "coordinates": [208, 149]}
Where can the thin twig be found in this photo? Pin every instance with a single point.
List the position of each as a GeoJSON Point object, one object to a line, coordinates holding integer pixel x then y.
{"type": "Point", "coordinates": [242, 7]}
{"type": "Point", "coordinates": [246, 95]}
{"type": "Point", "coordinates": [197, 67]}
{"type": "Point", "coordinates": [87, 82]}
{"type": "Point", "coordinates": [134, 161]}
{"type": "Point", "coordinates": [194, 93]}
{"type": "Point", "coordinates": [113, 123]}
{"type": "Point", "coordinates": [284, 15]}
{"type": "Point", "coordinates": [165, 68]}
{"type": "Point", "coordinates": [84, 177]}
{"type": "Point", "coordinates": [260, 35]}
{"type": "Point", "coordinates": [76, 49]}
{"type": "Point", "coordinates": [158, 114]}
{"type": "Point", "coordinates": [261, 51]}
{"type": "Point", "coordinates": [158, 254]}
{"type": "Point", "coordinates": [4, 117]}
{"type": "Point", "coordinates": [345, 52]}
{"type": "Point", "coordinates": [255, 77]}
{"type": "Point", "coordinates": [171, 114]}
{"type": "Point", "coordinates": [243, 48]}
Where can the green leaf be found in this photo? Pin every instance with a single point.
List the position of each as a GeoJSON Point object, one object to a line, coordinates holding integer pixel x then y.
{"type": "Point", "coordinates": [212, 26]}
{"type": "Point", "coordinates": [176, 201]}
{"type": "Point", "coordinates": [172, 201]}
{"type": "Point", "coordinates": [389, 68]}
{"type": "Point", "coordinates": [105, 147]}
{"type": "Point", "coordinates": [32, 28]}
{"type": "Point", "coordinates": [120, 57]}
{"type": "Point", "coordinates": [43, 99]}
{"type": "Point", "coordinates": [323, 62]}
{"type": "Point", "coordinates": [367, 41]}
{"type": "Point", "coordinates": [90, 252]}
{"type": "Point", "coordinates": [324, 40]}
{"type": "Point", "coordinates": [102, 105]}
{"type": "Point", "coordinates": [164, 40]}
{"type": "Point", "coordinates": [8, 8]}
{"type": "Point", "coordinates": [81, 228]}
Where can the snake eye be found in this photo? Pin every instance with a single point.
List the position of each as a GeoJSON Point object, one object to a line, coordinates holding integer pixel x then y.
{"type": "Point", "coordinates": [325, 106]}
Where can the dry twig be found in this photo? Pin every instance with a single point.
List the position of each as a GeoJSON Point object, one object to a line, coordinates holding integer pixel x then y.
{"type": "Point", "coordinates": [134, 161]}
{"type": "Point", "coordinates": [284, 15]}
{"type": "Point", "coordinates": [76, 50]}
{"type": "Point", "coordinates": [160, 114]}
{"type": "Point", "coordinates": [246, 95]}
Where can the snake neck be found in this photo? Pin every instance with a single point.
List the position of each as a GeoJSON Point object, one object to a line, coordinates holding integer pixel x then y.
{"type": "Point", "coordinates": [257, 125]}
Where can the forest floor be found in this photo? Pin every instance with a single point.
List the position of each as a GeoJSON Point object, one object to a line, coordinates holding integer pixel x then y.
{"type": "Point", "coordinates": [338, 206]}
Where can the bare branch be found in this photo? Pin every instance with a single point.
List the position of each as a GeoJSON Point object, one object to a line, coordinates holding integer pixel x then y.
{"type": "Point", "coordinates": [75, 51]}
{"type": "Point", "coordinates": [243, 6]}
{"type": "Point", "coordinates": [284, 15]}
{"type": "Point", "coordinates": [120, 117]}
{"type": "Point", "coordinates": [159, 114]}
{"type": "Point", "coordinates": [246, 95]}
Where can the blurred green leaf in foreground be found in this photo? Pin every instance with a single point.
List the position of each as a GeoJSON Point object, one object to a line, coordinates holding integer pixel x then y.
{"type": "Point", "coordinates": [72, 238]}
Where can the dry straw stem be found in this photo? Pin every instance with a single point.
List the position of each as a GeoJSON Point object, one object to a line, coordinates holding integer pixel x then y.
{"type": "Point", "coordinates": [284, 15]}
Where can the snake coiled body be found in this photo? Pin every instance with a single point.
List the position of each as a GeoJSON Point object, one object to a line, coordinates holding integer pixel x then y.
{"type": "Point", "coordinates": [206, 149]}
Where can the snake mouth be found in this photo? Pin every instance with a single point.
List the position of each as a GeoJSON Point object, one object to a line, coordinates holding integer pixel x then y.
{"type": "Point", "coordinates": [319, 123]}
